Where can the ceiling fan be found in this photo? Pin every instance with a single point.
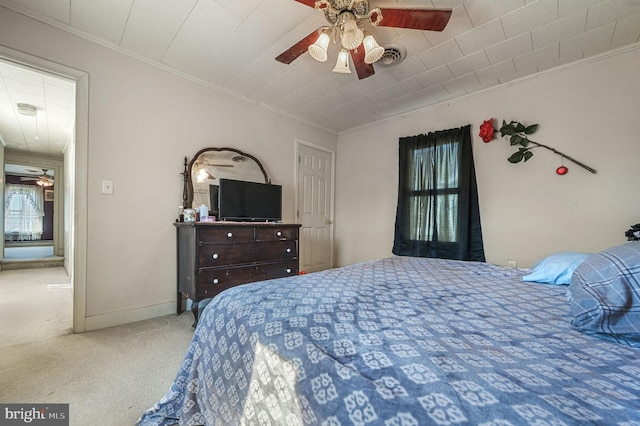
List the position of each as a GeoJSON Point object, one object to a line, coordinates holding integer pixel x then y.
{"type": "Point", "coordinates": [43, 180]}
{"type": "Point", "coordinates": [344, 17]}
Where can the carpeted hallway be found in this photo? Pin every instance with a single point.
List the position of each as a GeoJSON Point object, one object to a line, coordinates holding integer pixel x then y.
{"type": "Point", "coordinates": [109, 377]}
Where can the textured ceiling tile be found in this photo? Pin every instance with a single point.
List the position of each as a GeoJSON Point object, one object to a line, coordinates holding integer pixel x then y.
{"type": "Point", "coordinates": [540, 12]}
{"type": "Point", "coordinates": [334, 98]}
{"type": "Point", "coordinates": [379, 96]}
{"type": "Point", "coordinates": [559, 62]}
{"type": "Point", "coordinates": [240, 8]}
{"type": "Point", "coordinates": [481, 37]}
{"type": "Point", "coordinates": [152, 25]}
{"type": "Point", "coordinates": [435, 76]}
{"type": "Point", "coordinates": [444, 3]}
{"type": "Point", "coordinates": [408, 68]}
{"type": "Point", "coordinates": [627, 31]}
{"type": "Point", "coordinates": [431, 95]}
{"type": "Point", "coordinates": [496, 72]}
{"type": "Point", "coordinates": [55, 9]}
{"type": "Point", "coordinates": [591, 42]}
{"type": "Point", "coordinates": [469, 64]}
{"type": "Point", "coordinates": [233, 45]}
{"type": "Point", "coordinates": [441, 54]}
{"type": "Point", "coordinates": [482, 11]}
{"type": "Point", "coordinates": [537, 58]}
{"type": "Point", "coordinates": [569, 7]}
{"type": "Point", "coordinates": [105, 19]}
{"type": "Point", "coordinates": [406, 86]}
{"type": "Point", "coordinates": [510, 48]}
{"type": "Point", "coordinates": [518, 75]}
{"type": "Point", "coordinates": [407, 103]}
{"type": "Point", "coordinates": [608, 12]}
{"type": "Point", "coordinates": [557, 30]}
{"type": "Point", "coordinates": [354, 89]}
{"type": "Point", "coordinates": [462, 85]}
{"type": "Point", "coordinates": [197, 38]}
{"type": "Point", "coordinates": [382, 78]}
{"type": "Point", "coordinates": [413, 41]}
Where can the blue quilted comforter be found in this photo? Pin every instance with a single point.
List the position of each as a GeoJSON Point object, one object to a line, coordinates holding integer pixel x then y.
{"type": "Point", "coordinates": [399, 342]}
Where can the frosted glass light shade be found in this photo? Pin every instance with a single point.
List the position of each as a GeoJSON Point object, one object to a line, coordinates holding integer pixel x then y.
{"type": "Point", "coordinates": [342, 65]}
{"type": "Point", "coordinates": [318, 50]}
{"type": "Point", "coordinates": [352, 36]}
{"type": "Point", "coordinates": [372, 50]}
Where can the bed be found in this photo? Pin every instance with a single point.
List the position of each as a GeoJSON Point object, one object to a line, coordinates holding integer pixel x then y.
{"type": "Point", "coordinates": [401, 341]}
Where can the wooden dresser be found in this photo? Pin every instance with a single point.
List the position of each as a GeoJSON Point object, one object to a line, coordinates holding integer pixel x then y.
{"type": "Point", "coordinates": [213, 257]}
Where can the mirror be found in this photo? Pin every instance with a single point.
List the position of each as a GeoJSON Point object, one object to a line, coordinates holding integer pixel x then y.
{"type": "Point", "coordinates": [209, 165]}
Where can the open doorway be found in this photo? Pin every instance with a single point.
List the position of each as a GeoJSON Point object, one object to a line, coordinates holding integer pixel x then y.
{"type": "Point", "coordinates": [52, 82]}
{"type": "Point", "coordinates": [31, 226]}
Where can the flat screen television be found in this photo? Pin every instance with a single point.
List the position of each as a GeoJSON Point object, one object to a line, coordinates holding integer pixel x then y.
{"type": "Point", "coordinates": [240, 200]}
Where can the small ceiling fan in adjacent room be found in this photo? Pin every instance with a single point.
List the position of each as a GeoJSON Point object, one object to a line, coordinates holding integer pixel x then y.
{"type": "Point", "coordinates": [43, 180]}
{"type": "Point", "coordinates": [345, 17]}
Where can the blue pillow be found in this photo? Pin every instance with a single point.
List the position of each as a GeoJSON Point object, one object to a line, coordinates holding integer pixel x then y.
{"type": "Point", "coordinates": [605, 294]}
{"type": "Point", "coordinates": [556, 268]}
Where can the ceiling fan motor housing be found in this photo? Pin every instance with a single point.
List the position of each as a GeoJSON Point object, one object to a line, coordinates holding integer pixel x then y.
{"type": "Point", "coordinates": [359, 8]}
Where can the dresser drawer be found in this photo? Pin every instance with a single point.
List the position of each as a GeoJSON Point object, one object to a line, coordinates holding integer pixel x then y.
{"type": "Point", "coordinates": [275, 234]}
{"type": "Point", "coordinates": [269, 271]}
{"type": "Point", "coordinates": [214, 280]}
{"type": "Point", "coordinates": [275, 250]}
{"type": "Point", "coordinates": [213, 255]}
{"type": "Point", "coordinates": [237, 234]}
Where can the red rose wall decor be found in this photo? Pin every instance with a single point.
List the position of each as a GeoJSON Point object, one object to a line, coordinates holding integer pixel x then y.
{"type": "Point", "coordinates": [519, 135]}
{"type": "Point", "coordinates": [487, 130]}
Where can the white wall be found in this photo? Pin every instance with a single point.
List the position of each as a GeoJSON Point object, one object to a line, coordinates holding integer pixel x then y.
{"type": "Point", "coordinates": [142, 122]}
{"type": "Point", "coordinates": [588, 111]}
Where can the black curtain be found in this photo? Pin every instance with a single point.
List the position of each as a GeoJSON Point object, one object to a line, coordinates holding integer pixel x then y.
{"type": "Point", "coordinates": [438, 213]}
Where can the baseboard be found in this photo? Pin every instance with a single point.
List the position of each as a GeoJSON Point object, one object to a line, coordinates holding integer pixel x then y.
{"type": "Point", "coordinates": [131, 315]}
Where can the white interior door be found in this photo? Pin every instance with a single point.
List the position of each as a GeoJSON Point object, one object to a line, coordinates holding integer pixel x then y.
{"type": "Point", "coordinates": [315, 207]}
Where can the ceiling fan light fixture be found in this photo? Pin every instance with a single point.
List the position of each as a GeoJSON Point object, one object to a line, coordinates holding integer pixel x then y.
{"type": "Point", "coordinates": [318, 50]}
{"type": "Point", "coordinates": [28, 110]}
{"type": "Point", "coordinates": [372, 50]}
{"type": "Point", "coordinates": [352, 35]}
{"type": "Point", "coordinates": [342, 65]}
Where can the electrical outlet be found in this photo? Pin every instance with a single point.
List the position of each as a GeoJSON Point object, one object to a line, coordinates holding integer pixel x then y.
{"type": "Point", "coordinates": [512, 264]}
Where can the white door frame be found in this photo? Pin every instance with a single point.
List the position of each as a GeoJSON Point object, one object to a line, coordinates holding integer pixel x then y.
{"type": "Point", "coordinates": [76, 178]}
{"type": "Point", "coordinates": [332, 189]}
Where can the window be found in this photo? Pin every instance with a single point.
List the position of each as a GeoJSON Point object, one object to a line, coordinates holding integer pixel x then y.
{"type": "Point", "coordinates": [23, 210]}
{"type": "Point", "coordinates": [433, 192]}
{"type": "Point", "coordinates": [438, 214]}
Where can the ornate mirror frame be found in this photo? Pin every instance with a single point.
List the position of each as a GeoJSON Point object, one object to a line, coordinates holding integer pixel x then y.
{"type": "Point", "coordinates": [236, 158]}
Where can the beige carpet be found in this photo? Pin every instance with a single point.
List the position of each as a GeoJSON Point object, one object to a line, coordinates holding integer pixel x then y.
{"type": "Point", "coordinates": [109, 377]}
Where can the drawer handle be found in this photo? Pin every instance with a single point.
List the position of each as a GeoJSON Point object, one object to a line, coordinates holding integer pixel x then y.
{"type": "Point", "coordinates": [279, 234]}
{"type": "Point", "coordinates": [215, 281]}
{"type": "Point", "coordinates": [214, 256]}
{"type": "Point", "coordinates": [288, 270]}
{"type": "Point", "coordinates": [229, 235]}
{"type": "Point", "coordinates": [288, 250]}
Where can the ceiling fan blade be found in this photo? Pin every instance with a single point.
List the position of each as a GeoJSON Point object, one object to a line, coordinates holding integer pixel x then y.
{"type": "Point", "coordinates": [416, 19]}
{"type": "Point", "coordinates": [363, 69]}
{"type": "Point", "coordinates": [310, 3]}
{"type": "Point", "coordinates": [298, 49]}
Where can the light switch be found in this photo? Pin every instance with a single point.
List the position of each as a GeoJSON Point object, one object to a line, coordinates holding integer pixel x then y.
{"type": "Point", "coordinates": [107, 187]}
